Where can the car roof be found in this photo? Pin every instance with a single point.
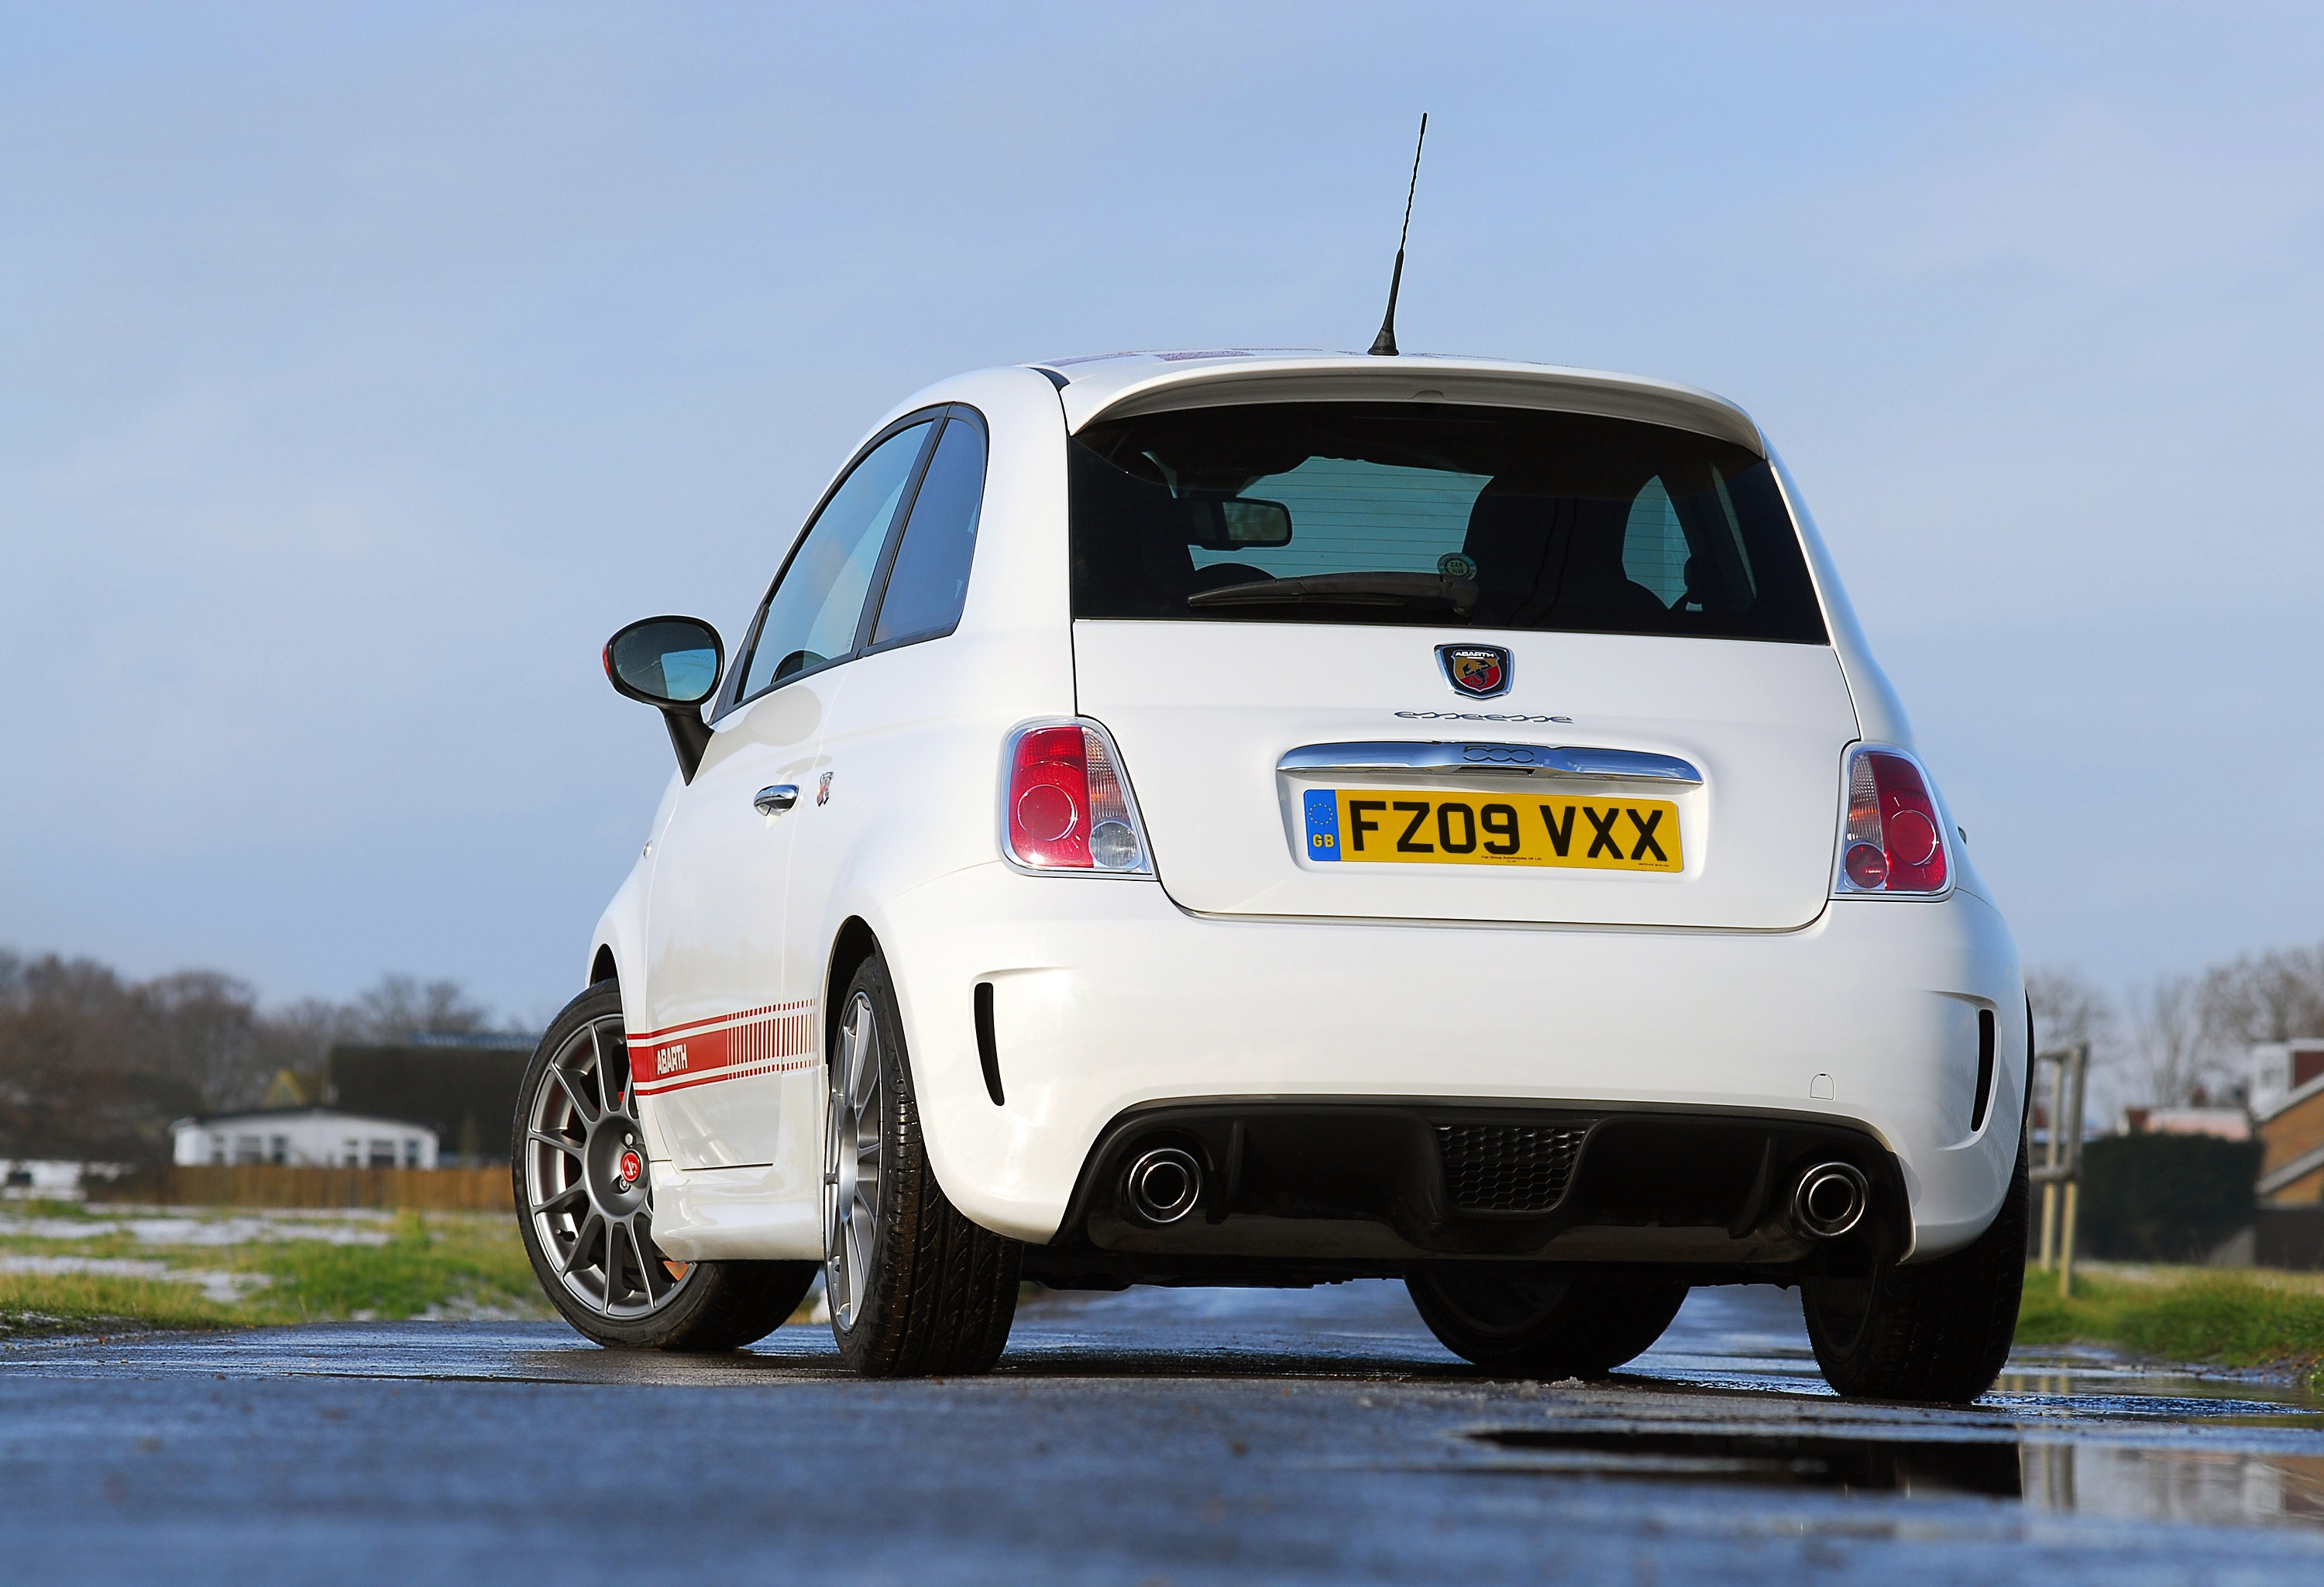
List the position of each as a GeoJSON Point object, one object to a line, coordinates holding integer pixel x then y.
{"type": "Point", "coordinates": [1116, 385]}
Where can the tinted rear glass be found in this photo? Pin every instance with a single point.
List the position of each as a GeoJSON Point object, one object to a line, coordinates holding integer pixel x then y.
{"type": "Point", "coordinates": [1429, 515]}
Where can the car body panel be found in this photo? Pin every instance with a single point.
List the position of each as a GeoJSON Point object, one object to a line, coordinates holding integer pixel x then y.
{"type": "Point", "coordinates": [1108, 997]}
{"type": "Point", "coordinates": [744, 907]}
{"type": "Point", "coordinates": [1113, 993]}
{"type": "Point", "coordinates": [1203, 711]}
{"type": "Point", "coordinates": [1121, 385]}
{"type": "Point", "coordinates": [727, 989]}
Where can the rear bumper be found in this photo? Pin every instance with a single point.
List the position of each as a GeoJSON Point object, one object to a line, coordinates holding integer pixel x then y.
{"type": "Point", "coordinates": [1109, 999]}
{"type": "Point", "coordinates": [1287, 1189]}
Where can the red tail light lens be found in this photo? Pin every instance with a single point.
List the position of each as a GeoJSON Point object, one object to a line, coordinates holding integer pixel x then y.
{"type": "Point", "coordinates": [1067, 806]}
{"type": "Point", "coordinates": [1895, 842]}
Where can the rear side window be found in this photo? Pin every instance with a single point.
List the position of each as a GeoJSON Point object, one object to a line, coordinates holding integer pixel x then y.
{"type": "Point", "coordinates": [928, 586]}
{"type": "Point", "coordinates": [1434, 515]}
{"type": "Point", "coordinates": [811, 616]}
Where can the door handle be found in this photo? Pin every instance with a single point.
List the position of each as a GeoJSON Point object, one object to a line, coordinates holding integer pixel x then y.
{"type": "Point", "coordinates": [775, 800]}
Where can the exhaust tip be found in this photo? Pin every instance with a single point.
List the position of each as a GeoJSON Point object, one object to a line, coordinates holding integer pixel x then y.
{"type": "Point", "coordinates": [1830, 1199]}
{"type": "Point", "coordinates": [1163, 1185]}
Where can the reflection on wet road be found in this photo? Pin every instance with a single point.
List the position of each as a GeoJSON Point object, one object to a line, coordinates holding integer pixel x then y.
{"type": "Point", "coordinates": [2088, 1433]}
{"type": "Point", "coordinates": [1149, 1436]}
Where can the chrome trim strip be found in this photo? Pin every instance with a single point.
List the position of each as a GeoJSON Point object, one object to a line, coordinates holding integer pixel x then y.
{"type": "Point", "coordinates": [1471, 759]}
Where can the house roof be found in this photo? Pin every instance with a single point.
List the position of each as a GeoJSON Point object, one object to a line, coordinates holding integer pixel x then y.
{"type": "Point", "coordinates": [2292, 1098]}
{"type": "Point", "coordinates": [262, 1116]}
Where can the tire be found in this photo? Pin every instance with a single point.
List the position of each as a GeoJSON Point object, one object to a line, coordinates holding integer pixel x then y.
{"type": "Point", "coordinates": [914, 1287]}
{"type": "Point", "coordinates": [1523, 1327]}
{"type": "Point", "coordinates": [1932, 1332]}
{"type": "Point", "coordinates": [588, 1227]}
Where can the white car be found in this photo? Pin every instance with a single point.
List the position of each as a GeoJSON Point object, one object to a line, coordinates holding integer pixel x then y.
{"type": "Point", "coordinates": [1271, 818]}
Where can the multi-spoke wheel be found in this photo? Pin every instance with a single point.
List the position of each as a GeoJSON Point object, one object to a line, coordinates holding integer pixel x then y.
{"type": "Point", "coordinates": [850, 1160]}
{"type": "Point", "coordinates": [584, 1196]}
{"type": "Point", "coordinates": [913, 1286]}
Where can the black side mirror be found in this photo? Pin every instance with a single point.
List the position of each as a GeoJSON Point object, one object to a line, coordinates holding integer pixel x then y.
{"type": "Point", "coordinates": [672, 664]}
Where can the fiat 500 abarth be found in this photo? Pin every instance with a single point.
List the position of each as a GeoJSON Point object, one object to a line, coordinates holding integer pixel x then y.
{"type": "Point", "coordinates": [1230, 819]}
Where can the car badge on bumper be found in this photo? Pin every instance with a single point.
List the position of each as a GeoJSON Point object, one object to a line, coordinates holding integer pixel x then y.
{"type": "Point", "coordinates": [1478, 671]}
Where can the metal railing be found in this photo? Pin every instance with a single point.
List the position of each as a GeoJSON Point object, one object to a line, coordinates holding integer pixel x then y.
{"type": "Point", "coordinates": [2060, 1165]}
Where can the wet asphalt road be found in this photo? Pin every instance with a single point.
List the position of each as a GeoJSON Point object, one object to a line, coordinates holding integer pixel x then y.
{"type": "Point", "coordinates": [1154, 1436]}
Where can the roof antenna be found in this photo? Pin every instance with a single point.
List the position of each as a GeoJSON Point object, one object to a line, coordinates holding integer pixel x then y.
{"type": "Point", "coordinates": [1384, 343]}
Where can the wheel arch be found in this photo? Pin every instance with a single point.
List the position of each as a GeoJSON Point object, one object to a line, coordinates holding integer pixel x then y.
{"type": "Point", "coordinates": [851, 946]}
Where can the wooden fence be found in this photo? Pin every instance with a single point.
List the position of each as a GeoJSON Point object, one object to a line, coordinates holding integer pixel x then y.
{"type": "Point", "coordinates": [270, 1185]}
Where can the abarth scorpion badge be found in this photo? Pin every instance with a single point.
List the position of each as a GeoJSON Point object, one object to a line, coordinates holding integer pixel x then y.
{"type": "Point", "coordinates": [1478, 671]}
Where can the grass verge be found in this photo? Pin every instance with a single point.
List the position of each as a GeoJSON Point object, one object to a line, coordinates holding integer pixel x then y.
{"type": "Point", "coordinates": [445, 1264]}
{"type": "Point", "coordinates": [431, 1261]}
{"type": "Point", "coordinates": [2184, 1314]}
{"type": "Point", "coordinates": [33, 1304]}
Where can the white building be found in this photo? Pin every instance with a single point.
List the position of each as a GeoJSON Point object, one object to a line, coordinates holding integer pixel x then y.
{"type": "Point", "coordinates": [304, 1137]}
{"type": "Point", "coordinates": [2279, 1068]}
{"type": "Point", "coordinates": [47, 1179]}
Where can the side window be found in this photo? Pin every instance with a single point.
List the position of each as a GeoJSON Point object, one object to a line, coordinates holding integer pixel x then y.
{"type": "Point", "coordinates": [929, 583]}
{"type": "Point", "coordinates": [1653, 546]}
{"type": "Point", "coordinates": [812, 615]}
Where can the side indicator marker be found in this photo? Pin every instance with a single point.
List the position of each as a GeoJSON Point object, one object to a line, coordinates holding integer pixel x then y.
{"type": "Point", "coordinates": [988, 1049]}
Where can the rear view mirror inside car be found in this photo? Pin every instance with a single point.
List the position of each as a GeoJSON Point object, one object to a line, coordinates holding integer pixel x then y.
{"type": "Point", "coordinates": [1238, 524]}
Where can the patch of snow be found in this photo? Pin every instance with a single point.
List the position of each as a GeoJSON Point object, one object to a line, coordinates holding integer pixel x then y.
{"type": "Point", "coordinates": [222, 1287]}
{"type": "Point", "coordinates": [236, 1229]}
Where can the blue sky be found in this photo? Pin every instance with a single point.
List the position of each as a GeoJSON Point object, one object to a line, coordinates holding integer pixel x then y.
{"type": "Point", "coordinates": [368, 366]}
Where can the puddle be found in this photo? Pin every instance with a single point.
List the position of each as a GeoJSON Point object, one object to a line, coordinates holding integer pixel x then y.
{"type": "Point", "coordinates": [2082, 1477]}
{"type": "Point", "coordinates": [2127, 1387]}
{"type": "Point", "coordinates": [2175, 1484]}
{"type": "Point", "coordinates": [1778, 1460]}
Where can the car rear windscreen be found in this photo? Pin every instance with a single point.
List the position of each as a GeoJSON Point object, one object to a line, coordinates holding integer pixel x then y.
{"type": "Point", "coordinates": [1436, 515]}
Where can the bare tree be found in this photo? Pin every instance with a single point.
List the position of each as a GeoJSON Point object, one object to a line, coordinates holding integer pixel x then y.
{"type": "Point", "coordinates": [2273, 996]}
{"type": "Point", "coordinates": [203, 1030]}
{"type": "Point", "coordinates": [403, 1005]}
{"type": "Point", "coordinates": [2172, 1045]}
{"type": "Point", "coordinates": [2068, 1008]}
{"type": "Point", "coordinates": [298, 1037]}
{"type": "Point", "coordinates": [94, 1068]}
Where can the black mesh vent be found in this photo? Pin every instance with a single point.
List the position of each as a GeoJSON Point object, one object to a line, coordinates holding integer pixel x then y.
{"type": "Point", "coordinates": [1509, 1167]}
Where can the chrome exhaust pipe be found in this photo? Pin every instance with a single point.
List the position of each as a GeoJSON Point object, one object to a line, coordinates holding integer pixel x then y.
{"type": "Point", "coordinates": [1831, 1200]}
{"type": "Point", "coordinates": [1163, 1185]}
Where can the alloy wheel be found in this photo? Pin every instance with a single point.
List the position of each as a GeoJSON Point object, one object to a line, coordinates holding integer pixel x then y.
{"type": "Point", "coordinates": [588, 1187]}
{"type": "Point", "coordinates": [851, 1162]}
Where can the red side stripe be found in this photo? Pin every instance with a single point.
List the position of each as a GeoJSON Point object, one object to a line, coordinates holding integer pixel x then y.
{"type": "Point", "coordinates": [765, 1041]}
{"type": "Point", "coordinates": [757, 1013]}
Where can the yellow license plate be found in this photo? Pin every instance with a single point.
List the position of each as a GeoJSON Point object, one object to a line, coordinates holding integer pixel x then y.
{"type": "Point", "coordinates": [1399, 825]}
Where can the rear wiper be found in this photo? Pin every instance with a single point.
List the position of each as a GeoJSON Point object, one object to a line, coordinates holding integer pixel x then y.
{"type": "Point", "coordinates": [1423, 591]}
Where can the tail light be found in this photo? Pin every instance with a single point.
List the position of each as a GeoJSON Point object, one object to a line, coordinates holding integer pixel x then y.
{"type": "Point", "coordinates": [1067, 807]}
{"type": "Point", "coordinates": [1895, 837]}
